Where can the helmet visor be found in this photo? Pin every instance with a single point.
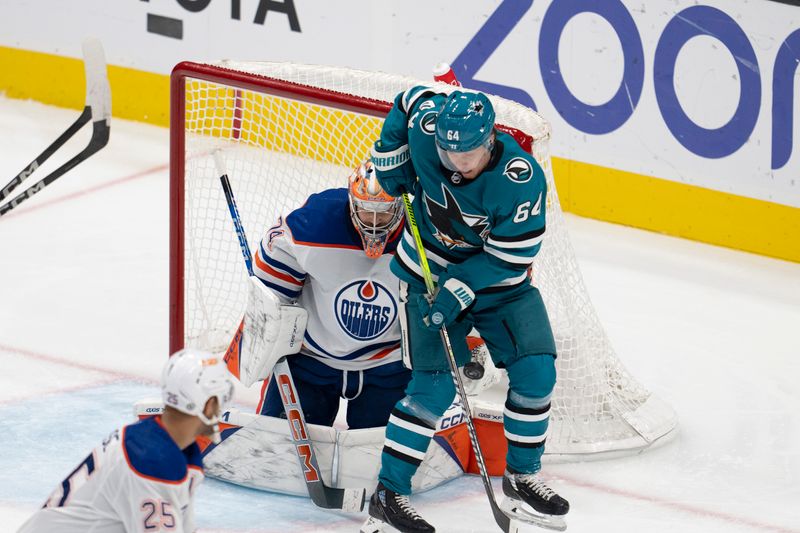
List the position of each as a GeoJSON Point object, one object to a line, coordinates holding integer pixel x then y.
{"type": "Point", "coordinates": [463, 162]}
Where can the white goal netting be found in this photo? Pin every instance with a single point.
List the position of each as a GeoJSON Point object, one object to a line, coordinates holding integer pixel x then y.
{"type": "Point", "coordinates": [282, 142]}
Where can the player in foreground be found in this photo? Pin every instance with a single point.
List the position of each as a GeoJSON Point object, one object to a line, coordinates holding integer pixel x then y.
{"type": "Point", "coordinates": [479, 201]}
{"type": "Point", "coordinates": [331, 256]}
{"type": "Point", "coordinates": [144, 476]}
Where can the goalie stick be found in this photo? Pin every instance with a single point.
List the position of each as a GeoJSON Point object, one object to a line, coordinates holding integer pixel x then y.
{"type": "Point", "coordinates": [350, 500]}
{"type": "Point", "coordinates": [97, 110]}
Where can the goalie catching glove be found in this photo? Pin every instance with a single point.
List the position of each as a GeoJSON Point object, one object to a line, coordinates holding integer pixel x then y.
{"type": "Point", "coordinates": [453, 300]}
{"type": "Point", "coordinates": [269, 331]}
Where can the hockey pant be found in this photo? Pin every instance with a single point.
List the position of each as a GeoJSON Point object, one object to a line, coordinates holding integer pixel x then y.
{"type": "Point", "coordinates": [517, 333]}
{"type": "Point", "coordinates": [370, 394]}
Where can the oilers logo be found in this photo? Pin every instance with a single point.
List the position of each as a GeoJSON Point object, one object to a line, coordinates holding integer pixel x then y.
{"type": "Point", "coordinates": [365, 309]}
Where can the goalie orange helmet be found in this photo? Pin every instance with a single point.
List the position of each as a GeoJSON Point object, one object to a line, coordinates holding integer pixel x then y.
{"type": "Point", "coordinates": [375, 214]}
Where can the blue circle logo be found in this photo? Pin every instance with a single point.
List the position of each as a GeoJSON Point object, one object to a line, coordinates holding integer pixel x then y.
{"type": "Point", "coordinates": [365, 309]}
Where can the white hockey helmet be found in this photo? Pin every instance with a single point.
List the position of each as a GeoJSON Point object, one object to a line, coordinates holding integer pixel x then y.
{"type": "Point", "coordinates": [193, 376]}
{"type": "Point", "coordinates": [375, 214]}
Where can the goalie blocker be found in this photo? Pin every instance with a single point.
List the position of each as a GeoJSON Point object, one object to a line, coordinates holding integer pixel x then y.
{"type": "Point", "coordinates": [269, 330]}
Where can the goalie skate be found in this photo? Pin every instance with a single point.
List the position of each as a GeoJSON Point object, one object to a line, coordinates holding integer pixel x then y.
{"type": "Point", "coordinates": [389, 511]}
{"type": "Point", "coordinates": [529, 499]}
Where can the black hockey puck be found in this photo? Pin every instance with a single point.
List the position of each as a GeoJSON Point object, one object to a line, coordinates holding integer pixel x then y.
{"type": "Point", "coordinates": [473, 370]}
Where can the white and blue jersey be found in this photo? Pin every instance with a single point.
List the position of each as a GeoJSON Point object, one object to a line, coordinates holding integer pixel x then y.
{"type": "Point", "coordinates": [315, 257]}
{"type": "Point", "coordinates": [136, 481]}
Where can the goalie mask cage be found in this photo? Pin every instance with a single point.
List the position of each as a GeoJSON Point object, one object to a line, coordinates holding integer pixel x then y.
{"type": "Point", "coordinates": [287, 130]}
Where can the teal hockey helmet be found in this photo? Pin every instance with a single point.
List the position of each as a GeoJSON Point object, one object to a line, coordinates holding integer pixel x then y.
{"type": "Point", "coordinates": [465, 122]}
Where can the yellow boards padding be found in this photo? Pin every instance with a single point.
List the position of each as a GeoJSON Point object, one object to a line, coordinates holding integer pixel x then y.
{"type": "Point", "coordinates": [678, 209]}
{"type": "Point", "coordinates": [59, 80]}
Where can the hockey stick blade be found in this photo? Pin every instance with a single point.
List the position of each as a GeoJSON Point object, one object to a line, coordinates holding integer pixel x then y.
{"type": "Point", "coordinates": [98, 91]}
{"type": "Point", "coordinates": [97, 110]}
{"type": "Point", "coordinates": [349, 500]}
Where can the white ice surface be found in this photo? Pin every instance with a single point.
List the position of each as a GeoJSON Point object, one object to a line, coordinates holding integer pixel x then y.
{"type": "Point", "coordinates": [83, 334]}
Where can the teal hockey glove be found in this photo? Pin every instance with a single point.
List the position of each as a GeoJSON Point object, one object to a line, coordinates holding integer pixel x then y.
{"type": "Point", "coordinates": [393, 168]}
{"type": "Point", "coordinates": [451, 303]}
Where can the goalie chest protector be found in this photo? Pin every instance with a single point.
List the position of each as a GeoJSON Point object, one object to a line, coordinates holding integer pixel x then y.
{"type": "Point", "coordinates": [315, 256]}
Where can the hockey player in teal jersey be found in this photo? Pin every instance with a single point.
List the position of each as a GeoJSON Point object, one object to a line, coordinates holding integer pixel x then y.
{"type": "Point", "coordinates": [479, 201]}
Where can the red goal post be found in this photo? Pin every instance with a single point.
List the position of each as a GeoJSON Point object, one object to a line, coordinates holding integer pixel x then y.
{"type": "Point", "coordinates": [287, 130]}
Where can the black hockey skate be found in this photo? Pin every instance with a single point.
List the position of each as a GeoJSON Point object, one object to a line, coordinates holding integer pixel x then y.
{"type": "Point", "coordinates": [529, 497]}
{"type": "Point", "coordinates": [388, 510]}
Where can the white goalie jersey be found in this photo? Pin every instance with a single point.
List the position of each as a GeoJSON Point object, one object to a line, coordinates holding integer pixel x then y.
{"type": "Point", "coordinates": [315, 256]}
{"type": "Point", "coordinates": [136, 481]}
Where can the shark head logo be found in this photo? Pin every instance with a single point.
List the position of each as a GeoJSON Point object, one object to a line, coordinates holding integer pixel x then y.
{"type": "Point", "coordinates": [454, 228]}
{"type": "Point", "coordinates": [518, 170]}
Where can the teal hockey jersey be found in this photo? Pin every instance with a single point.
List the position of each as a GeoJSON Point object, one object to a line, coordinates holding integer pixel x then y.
{"type": "Point", "coordinates": [485, 231]}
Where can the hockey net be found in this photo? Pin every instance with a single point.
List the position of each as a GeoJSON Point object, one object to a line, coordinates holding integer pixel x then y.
{"type": "Point", "coordinates": [287, 130]}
